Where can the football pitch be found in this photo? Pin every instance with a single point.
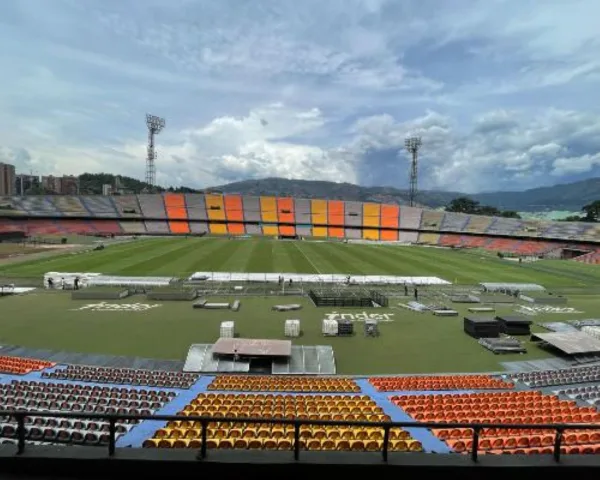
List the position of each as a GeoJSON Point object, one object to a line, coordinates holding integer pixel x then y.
{"type": "Point", "coordinates": [409, 342]}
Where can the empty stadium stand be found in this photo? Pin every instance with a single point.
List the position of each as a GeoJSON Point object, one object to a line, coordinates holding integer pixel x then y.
{"type": "Point", "coordinates": [439, 382]}
{"type": "Point", "coordinates": [69, 205]}
{"type": "Point", "coordinates": [100, 206]}
{"type": "Point", "coordinates": [123, 376]}
{"type": "Point", "coordinates": [128, 206]}
{"type": "Point", "coordinates": [196, 207]}
{"type": "Point", "coordinates": [182, 434]}
{"type": "Point", "coordinates": [74, 397]}
{"type": "Point", "coordinates": [176, 213]}
{"type": "Point", "coordinates": [152, 206]}
{"type": "Point", "coordinates": [505, 407]}
{"type": "Point", "coordinates": [567, 376]}
{"type": "Point", "coordinates": [232, 214]}
{"type": "Point", "coordinates": [282, 384]}
{"type": "Point", "coordinates": [432, 220]}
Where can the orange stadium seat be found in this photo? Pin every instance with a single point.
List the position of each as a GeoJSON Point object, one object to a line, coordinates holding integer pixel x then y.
{"type": "Point", "coordinates": [509, 407]}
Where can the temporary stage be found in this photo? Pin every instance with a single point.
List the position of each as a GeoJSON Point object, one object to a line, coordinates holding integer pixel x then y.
{"type": "Point", "coordinates": [236, 355]}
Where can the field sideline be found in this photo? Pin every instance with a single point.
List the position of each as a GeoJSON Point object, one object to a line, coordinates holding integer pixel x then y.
{"type": "Point", "coordinates": [181, 257]}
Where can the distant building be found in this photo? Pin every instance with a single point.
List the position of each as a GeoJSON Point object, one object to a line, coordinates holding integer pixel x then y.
{"type": "Point", "coordinates": [24, 183]}
{"type": "Point", "coordinates": [7, 179]}
{"type": "Point", "coordinates": [107, 189]}
{"type": "Point", "coordinates": [69, 185]}
{"type": "Point", "coordinates": [65, 185]}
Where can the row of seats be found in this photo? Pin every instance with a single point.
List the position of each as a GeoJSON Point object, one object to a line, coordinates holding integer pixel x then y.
{"type": "Point", "coordinates": [529, 407]}
{"type": "Point", "coordinates": [22, 366]}
{"type": "Point", "coordinates": [276, 383]}
{"type": "Point", "coordinates": [441, 382]}
{"type": "Point", "coordinates": [325, 444]}
{"type": "Point", "coordinates": [590, 394]}
{"type": "Point", "coordinates": [124, 376]}
{"type": "Point", "coordinates": [566, 376]}
{"type": "Point", "coordinates": [71, 397]}
{"type": "Point", "coordinates": [276, 436]}
{"type": "Point", "coordinates": [180, 208]}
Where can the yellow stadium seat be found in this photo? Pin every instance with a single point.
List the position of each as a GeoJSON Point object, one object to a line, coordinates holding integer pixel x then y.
{"type": "Point", "coordinates": [314, 444]}
{"type": "Point", "coordinates": [398, 445]}
{"type": "Point", "coordinates": [150, 443]}
{"type": "Point", "coordinates": [240, 443]}
{"type": "Point", "coordinates": [255, 444]}
{"type": "Point", "coordinates": [165, 443]}
{"type": "Point", "coordinates": [270, 444]}
{"type": "Point", "coordinates": [212, 443]}
{"type": "Point", "coordinates": [226, 444]}
{"type": "Point", "coordinates": [342, 445]}
{"type": "Point", "coordinates": [284, 444]}
{"type": "Point", "coordinates": [327, 444]}
{"type": "Point", "coordinates": [195, 443]}
{"type": "Point", "coordinates": [415, 446]}
{"type": "Point", "coordinates": [163, 432]}
{"type": "Point", "coordinates": [180, 443]}
{"type": "Point", "coordinates": [374, 445]}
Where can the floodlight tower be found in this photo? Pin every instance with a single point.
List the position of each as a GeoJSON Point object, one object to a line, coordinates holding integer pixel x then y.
{"type": "Point", "coordinates": [155, 125]}
{"type": "Point", "coordinates": [413, 144]}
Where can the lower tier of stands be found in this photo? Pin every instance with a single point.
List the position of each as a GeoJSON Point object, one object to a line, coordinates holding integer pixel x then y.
{"type": "Point", "coordinates": [66, 226]}
{"type": "Point", "coordinates": [524, 407]}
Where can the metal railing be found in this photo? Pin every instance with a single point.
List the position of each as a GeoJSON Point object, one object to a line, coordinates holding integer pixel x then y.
{"type": "Point", "coordinates": [204, 421]}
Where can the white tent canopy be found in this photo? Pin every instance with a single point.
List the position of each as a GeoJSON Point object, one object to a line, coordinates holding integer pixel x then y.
{"type": "Point", "coordinates": [315, 278]}
{"type": "Point", "coordinates": [522, 287]}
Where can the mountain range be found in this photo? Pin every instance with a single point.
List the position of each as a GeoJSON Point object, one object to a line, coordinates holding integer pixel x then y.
{"type": "Point", "coordinates": [570, 196]}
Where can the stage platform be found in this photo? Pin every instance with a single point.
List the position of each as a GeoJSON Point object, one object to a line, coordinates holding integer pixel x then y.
{"type": "Point", "coordinates": [303, 360]}
{"type": "Point", "coordinates": [570, 343]}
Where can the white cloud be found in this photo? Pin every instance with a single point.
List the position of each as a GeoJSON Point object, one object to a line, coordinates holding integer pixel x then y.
{"type": "Point", "coordinates": [502, 91]}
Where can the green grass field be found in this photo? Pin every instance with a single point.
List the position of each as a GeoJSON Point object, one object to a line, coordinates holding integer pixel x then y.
{"type": "Point", "coordinates": [412, 342]}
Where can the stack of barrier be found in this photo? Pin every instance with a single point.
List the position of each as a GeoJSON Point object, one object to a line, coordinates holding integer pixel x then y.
{"type": "Point", "coordinates": [224, 435]}
{"type": "Point", "coordinates": [72, 397]}
{"type": "Point", "coordinates": [100, 293]}
{"type": "Point", "coordinates": [279, 383]}
{"type": "Point", "coordinates": [124, 376]}
{"type": "Point", "coordinates": [441, 382]}
{"type": "Point", "coordinates": [566, 376]}
{"type": "Point", "coordinates": [172, 294]}
{"type": "Point", "coordinates": [509, 408]}
{"type": "Point", "coordinates": [22, 366]}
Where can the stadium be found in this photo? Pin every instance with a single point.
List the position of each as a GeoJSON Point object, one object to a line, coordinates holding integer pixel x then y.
{"type": "Point", "coordinates": [351, 333]}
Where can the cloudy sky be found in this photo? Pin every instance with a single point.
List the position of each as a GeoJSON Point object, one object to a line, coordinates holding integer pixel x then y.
{"type": "Point", "coordinates": [505, 93]}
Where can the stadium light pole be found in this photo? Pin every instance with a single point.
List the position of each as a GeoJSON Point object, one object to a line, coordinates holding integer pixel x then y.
{"type": "Point", "coordinates": [413, 144]}
{"type": "Point", "coordinates": [155, 125]}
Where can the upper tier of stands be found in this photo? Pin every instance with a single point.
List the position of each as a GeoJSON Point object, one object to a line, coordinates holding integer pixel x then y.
{"type": "Point", "coordinates": [173, 213]}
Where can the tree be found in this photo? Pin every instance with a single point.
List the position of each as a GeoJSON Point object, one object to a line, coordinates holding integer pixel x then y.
{"type": "Point", "coordinates": [510, 214]}
{"type": "Point", "coordinates": [592, 211]}
{"type": "Point", "coordinates": [463, 205]}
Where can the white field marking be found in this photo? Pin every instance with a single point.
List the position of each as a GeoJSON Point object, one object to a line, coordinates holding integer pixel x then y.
{"type": "Point", "coordinates": [308, 259]}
